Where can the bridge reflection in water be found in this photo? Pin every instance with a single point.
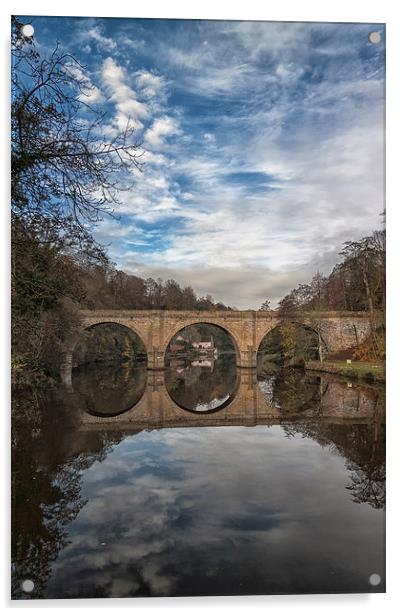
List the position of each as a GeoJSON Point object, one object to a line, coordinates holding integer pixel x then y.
{"type": "Point", "coordinates": [147, 402]}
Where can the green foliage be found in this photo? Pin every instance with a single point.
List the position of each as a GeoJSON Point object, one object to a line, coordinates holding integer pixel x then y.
{"type": "Point", "coordinates": [41, 273]}
{"type": "Point", "coordinates": [108, 343]}
{"type": "Point", "coordinates": [356, 370]}
{"type": "Point", "coordinates": [290, 343]}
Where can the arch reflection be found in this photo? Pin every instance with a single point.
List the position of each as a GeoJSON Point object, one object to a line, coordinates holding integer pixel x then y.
{"type": "Point", "coordinates": [291, 389]}
{"type": "Point", "coordinates": [109, 376]}
{"type": "Point", "coordinates": [202, 387]}
{"type": "Point", "coordinates": [109, 391]}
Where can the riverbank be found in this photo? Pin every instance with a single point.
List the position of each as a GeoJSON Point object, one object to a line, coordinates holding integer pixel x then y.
{"type": "Point", "coordinates": [357, 370]}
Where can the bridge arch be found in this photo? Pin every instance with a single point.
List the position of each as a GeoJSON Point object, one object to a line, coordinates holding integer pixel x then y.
{"type": "Point", "coordinates": [314, 328]}
{"type": "Point", "coordinates": [322, 344]}
{"type": "Point", "coordinates": [179, 328]}
{"type": "Point", "coordinates": [92, 326]}
{"type": "Point", "coordinates": [67, 363]}
{"type": "Point", "coordinates": [121, 391]}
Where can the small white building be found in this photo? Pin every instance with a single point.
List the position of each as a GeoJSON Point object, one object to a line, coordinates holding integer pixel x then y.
{"type": "Point", "coordinates": [203, 363]}
{"type": "Point", "coordinates": [203, 346]}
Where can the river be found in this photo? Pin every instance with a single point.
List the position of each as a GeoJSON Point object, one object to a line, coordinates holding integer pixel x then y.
{"type": "Point", "coordinates": [200, 480]}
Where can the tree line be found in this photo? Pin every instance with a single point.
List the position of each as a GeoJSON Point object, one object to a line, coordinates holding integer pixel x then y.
{"type": "Point", "coordinates": [108, 287]}
{"type": "Point", "coordinates": [356, 283]}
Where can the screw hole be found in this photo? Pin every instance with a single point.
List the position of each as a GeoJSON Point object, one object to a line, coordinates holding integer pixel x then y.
{"type": "Point", "coordinates": [374, 38]}
{"type": "Point", "coordinates": [374, 579]}
{"type": "Point", "coordinates": [27, 30]}
{"type": "Point", "coordinates": [27, 585]}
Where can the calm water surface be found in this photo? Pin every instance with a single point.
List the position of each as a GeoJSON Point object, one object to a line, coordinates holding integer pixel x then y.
{"type": "Point", "coordinates": [204, 480]}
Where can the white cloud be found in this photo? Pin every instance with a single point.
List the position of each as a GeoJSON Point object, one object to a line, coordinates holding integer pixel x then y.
{"type": "Point", "coordinates": [153, 158]}
{"type": "Point", "coordinates": [149, 83]}
{"type": "Point", "coordinates": [161, 128]}
{"type": "Point", "coordinates": [289, 71]}
{"type": "Point", "coordinates": [128, 108]}
{"type": "Point", "coordinates": [105, 42]}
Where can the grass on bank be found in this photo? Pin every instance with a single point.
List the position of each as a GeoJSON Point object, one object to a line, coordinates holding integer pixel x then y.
{"type": "Point", "coordinates": [359, 370]}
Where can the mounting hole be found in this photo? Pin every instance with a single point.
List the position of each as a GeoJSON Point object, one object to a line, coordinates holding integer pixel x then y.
{"type": "Point", "coordinates": [374, 38]}
{"type": "Point", "coordinates": [374, 579]}
{"type": "Point", "coordinates": [27, 585]}
{"type": "Point", "coordinates": [27, 30]}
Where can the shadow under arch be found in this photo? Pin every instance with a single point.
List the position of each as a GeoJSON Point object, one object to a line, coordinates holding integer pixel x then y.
{"type": "Point", "coordinates": [310, 327]}
{"type": "Point", "coordinates": [93, 326]}
{"type": "Point", "coordinates": [110, 389]}
{"type": "Point", "coordinates": [194, 388]}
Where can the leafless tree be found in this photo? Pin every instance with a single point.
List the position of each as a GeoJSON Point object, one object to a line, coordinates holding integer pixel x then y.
{"type": "Point", "coordinates": [266, 306]}
{"type": "Point", "coordinates": [64, 168]}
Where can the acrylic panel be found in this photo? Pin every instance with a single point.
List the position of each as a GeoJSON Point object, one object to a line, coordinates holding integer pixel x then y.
{"type": "Point", "coordinates": [198, 307]}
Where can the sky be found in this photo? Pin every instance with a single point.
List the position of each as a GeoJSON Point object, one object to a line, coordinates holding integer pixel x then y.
{"type": "Point", "coordinates": [263, 145]}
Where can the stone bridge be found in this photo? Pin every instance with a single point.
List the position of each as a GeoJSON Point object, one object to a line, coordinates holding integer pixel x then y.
{"type": "Point", "coordinates": [156, 328]}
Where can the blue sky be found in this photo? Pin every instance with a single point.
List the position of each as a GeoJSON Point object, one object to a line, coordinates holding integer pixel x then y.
{"type": "Point", "coordinates": [263, 145]}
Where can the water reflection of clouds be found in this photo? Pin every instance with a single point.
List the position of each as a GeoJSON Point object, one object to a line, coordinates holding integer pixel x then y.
{"type": "Point", "coordinates": [213, 404]}
{"type": "Point", "coordinates": [256, 504]}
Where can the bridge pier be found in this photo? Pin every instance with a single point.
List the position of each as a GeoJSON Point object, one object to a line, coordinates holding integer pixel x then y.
{"type": "Point", "coordinates": [156, 359]}
{"type": "Point", "coordinates": [66, 368]}
{"type": "Point", "coordinates": [155, 379]}
{"type": "Point", "coordinates": [247, 358]}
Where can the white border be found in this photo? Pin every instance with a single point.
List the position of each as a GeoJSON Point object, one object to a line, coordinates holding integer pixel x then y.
{"type": "Point", "coordinates": [287, 10]}
{"type": "Point", "coordinates": [379, 11]}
